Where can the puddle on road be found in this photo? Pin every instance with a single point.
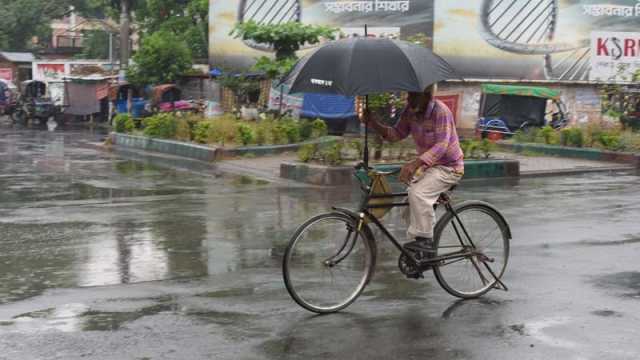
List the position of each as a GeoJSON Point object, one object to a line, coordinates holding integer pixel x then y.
{"type": "Point", "coordinates": [627, 284]}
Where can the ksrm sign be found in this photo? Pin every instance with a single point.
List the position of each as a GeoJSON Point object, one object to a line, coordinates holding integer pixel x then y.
{"type": "Point", "coordinates": [615, 56]}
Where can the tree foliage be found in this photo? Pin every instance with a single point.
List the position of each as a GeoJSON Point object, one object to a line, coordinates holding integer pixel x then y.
{"type": "Point", "coordinates": [286, 38]}
{"type": "Point", "coordinates": [162, 58]}
{"type": "Point", "coordinates": [21, 20]}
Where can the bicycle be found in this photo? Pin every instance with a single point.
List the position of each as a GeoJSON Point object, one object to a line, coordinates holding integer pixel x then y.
{"type": "Point", "coordinates": [331, 257]}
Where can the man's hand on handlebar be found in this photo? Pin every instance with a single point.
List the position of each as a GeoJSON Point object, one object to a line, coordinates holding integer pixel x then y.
{"type": "Point", "coordinates": [406, 174]}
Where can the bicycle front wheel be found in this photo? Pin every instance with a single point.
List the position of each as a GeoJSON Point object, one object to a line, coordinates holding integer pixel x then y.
{"type": "Point", "coordinates": [475, 245]}
{"type": "Point", "coordinates": [328, 263]}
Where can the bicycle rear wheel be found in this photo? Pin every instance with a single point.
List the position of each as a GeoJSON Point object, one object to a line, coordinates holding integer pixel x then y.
{"type": "Point", "coordinates": [328, 263]}
{"type": "Point", "coordinates": [483, 235]}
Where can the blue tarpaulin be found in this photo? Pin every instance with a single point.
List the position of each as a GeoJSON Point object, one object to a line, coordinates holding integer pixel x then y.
{"type": "Point", "coordinates": [328, 106]}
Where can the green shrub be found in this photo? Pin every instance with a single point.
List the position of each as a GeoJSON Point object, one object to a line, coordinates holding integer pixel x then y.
{"type": "Point", "coordinates": [575, 137]}
{"type": "Point", "coordinates": [306, 130]}
{"type": "Point", "coordinates": [332, 155]}
{"type": "Point", "coordinates": [279, 133]}
{"type": "Point", "coordinates": [470, 148]}
{"type": "Point", "coordinates": [528, 135]}
{"type": "Point", "coordinates": [162, 126]}
{"type": "Point", "coordinates": [610, 141]}
{"type": "Point", "coordinates": [486, 147]}
{"type": "Point", "coordinates": [201, 131]}
{"type": "Point", "coordinates": [630, 141]}
{"type": "Point", "coordinates": [245, 134]}
{"type": "Point", "coordinates": [123, 123]}
{"type": "Point", "coordinates": [223, 130]}
{"type": "Point", "coordinates": [183, 130]}
{"type": "Point", "coordinates": [319, 128]}
{"type": "Point", "coordinates": [307, 152]}
{"type": "Point", "coordinates": [564, 136]}
{"type": "Point", "coordinates": [548, 135]}
{"type": "Point", "coordinates": [292, 130]}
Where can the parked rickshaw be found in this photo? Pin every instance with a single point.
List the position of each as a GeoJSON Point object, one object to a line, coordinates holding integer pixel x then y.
{"type": "Point", "coordinates": [34, 103]}
{"type": "Point", "coordinates": [505, 109]}
{"type": "Point", "coordinates": [8, 97]}
{"type": "Point", "coordinates": [168, 98]}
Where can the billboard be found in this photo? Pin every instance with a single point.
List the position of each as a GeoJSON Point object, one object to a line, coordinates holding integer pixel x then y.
{"type": "Point", "coordinates": [537, 39]}
{"type": "Point", "coordinates": [389, 18]}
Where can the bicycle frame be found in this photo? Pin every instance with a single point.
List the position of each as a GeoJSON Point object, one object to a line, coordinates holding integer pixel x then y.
{"type": "Point", "coordinates": [365, 215]}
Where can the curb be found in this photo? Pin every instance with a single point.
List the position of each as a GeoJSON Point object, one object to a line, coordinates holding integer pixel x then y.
{"type": "Point", "coordinates": [343, 175]}
{"type": "Point", "coordinates": [572, 152]}
{"type": "Point", "coordinates": [203, 152]}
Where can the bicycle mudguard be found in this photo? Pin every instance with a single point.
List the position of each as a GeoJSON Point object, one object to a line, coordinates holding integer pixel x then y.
{"type": "Point", "coordinates": [349, 213]}
{"type": "Point", "coordinates": [489, 206]}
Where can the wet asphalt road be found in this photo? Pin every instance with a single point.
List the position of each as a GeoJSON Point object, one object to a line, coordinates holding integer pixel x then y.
{"type": "Point", "coordinates": [102, 257]}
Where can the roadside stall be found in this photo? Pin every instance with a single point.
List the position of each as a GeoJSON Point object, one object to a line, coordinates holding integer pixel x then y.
{"type": "Point", "coordinates": [168, 98]}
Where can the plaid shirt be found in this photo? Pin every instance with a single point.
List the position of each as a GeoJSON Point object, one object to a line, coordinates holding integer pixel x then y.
{"type": "Point", "coordinates": [435, 136]}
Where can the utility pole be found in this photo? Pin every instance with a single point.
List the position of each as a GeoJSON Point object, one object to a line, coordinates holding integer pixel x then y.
{"type": "Point", "coordinates": [125, 31]}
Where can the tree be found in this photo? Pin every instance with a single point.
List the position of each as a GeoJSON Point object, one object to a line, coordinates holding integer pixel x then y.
{"type": "Point", "coordinates": [95, 45]}
{"type": "Point", "coordinates": [23, 19]}
{"type": "Point", "coordinates": [162, 58]}
{"type": "Point", "coordinates": [285, 39]}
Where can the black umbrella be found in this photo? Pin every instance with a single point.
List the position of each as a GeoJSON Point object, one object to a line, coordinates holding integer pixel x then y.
{"type": "Point", "coordinates": [363, 65]}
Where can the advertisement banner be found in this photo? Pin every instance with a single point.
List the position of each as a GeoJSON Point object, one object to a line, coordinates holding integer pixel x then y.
{"type": "Point", "coordinates": [529, 39]}
{"type": "Point", "coordinates": [388, 18]}
{"type": "Point", "coordinates": [49, 72]}
{"type": "Point", "coordinates": [615, 56]}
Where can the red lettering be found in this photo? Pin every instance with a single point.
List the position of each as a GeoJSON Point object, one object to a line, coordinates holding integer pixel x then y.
{"type": "Point", "coordinates": [602, 47]}
{"type": "Point", "coordinates": [629, 47]}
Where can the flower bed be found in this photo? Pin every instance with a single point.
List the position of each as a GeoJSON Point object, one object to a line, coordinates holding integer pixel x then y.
{"type": "Point", "coordinates": [224, 131]}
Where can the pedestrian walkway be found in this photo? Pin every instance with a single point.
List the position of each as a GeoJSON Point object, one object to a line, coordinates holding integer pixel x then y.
{"type": "Point", "coordinates": [269, 167]}
{"type": "Point", "coordinates": [550, 165]}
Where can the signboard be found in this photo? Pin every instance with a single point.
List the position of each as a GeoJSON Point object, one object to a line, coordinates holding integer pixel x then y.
{"type": "Point", "coordinates": [389, 18]}
{"type": "Point", "coordinates": [49, 71]}
{"type": "Point", "coordinates": [530, 39]}
{"type": "Point", "coordinates": [615, 56]}
{"type": "Point", "coordinates": [6, 74]}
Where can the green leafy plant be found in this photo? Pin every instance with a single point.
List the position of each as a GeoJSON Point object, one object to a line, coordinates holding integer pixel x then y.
{"type": "Point", "coordinates": [548, 135]}
{"type": "Point", "coordinates": [319, 129]}
{"type": "Point", "coordinates": [575, 137]}
{"type": "Point", "coordinates": [162, 58]}
{"type": "Point", "coordinates": [306, 130]}
{"type": "Point", "coordinates": [162, 126]}
{"type": "Point", "coordinates": [285, 38]}
{"type": "Point", "coordinates": [183, 130]}
{"type": "Point", "coordinates": [245, 134]}
{"type": "Point", "coordinates": [470, 148]}
{"type": "Point", "coordinates": [610, 141]}
{"type": "Point", "coordinates": [332, 154]}
{"type": "Point", "coordinates": [201, 131]}
{"type": "Point", "coordinates": [486, 147]}
{"type": "Point", "coordinates": [123, 123]}
{"type": "Point", "coordinates": [307, 152]}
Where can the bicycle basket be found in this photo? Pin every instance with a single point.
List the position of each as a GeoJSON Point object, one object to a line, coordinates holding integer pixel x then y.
{"type": "Point", "coordinates": [380, 186]}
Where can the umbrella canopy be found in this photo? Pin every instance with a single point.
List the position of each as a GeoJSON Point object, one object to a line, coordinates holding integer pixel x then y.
{"type": "Point", "coordinates": [363, 66]}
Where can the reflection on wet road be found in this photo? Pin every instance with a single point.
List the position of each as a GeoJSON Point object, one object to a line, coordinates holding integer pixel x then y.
{"type": "Point", "coordinates": [105, 257]}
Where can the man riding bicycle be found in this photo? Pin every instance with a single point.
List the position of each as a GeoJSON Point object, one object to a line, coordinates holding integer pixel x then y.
{"type": "Point", "coordinates": [438, 166]}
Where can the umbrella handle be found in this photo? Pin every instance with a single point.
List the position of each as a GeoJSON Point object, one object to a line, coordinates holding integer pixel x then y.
{"type": "Point", "coordinates": [365, 154]}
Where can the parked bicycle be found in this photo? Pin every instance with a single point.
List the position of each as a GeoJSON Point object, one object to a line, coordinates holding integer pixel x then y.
{"type": "Point", "coordinates": [331, 257]}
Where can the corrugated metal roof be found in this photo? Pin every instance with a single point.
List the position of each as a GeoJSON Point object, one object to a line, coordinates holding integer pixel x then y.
{"type": "Point", "coordinates": [18, 56]}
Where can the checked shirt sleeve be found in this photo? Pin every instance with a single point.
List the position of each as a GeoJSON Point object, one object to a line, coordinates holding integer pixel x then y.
{"type": "Point", "coordinates": [400, 131]}
{"type": "Point", "coordinates": [443, 133]}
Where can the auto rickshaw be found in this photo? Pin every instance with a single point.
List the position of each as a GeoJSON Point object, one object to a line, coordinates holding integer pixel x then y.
{"type": "Point", "coordinates": [505, 109]}
{"type": "Point", "coordinates": [34, 103]}
{"type": "Point", "coordinates": [168, 98]}
{"type": "Point", "coordinates": [8, 96]}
